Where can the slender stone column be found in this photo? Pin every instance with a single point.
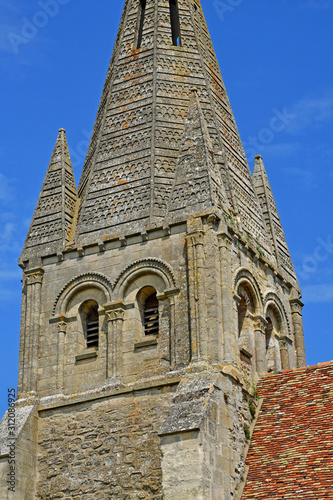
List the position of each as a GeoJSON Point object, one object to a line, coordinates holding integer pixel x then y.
{"type": "Point", "coordinates": [173, 353]}
{"type": "Point", "coordinates": [193, 322]}
{"type": "Point", "coordinates": [200, 285]}
{"type": "Point", "coordinates": [22, 338]}
{"type": "Point", "coordinates": [296, 312]}
{"type": "Point", "coordinates": [284, 353]}
{"type": "Point", "coordinates": [62, 328]}
{"type": "Point", "coordinates": [169, 296]}
{"type": "Point", "coordinates": [196, 273]}
{"type": "Point", "coordinates": [229, 333]}
{"type": "Point", "coordinates": [31, 331]}
{"type": "Point", "coordinates": [260, 344]}
{"type": "Point", "coordinates": [114, 359]}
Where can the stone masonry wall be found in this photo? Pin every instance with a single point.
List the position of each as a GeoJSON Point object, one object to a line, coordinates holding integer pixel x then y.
{"type": "Point", "coordinates": [223, 440]}
{"type": "Point", "coordinates": [105, 449]}
{"type": "Point", "coordinates": [206, 431]}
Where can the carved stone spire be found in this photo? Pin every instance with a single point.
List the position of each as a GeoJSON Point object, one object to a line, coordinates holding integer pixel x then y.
{"type": "Point", "coordinates": [52, 221]}
{"type": "Point", "coordinates": [198, 185]}
{"type": "Point", "coordinates": [162, 51]}
{"type": "Point", "coordinates": [272, 220]}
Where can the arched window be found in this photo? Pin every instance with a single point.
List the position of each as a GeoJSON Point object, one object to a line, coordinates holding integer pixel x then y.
{"type": "Point", "coordinates": [272, 333]}
{"type": "Point", "coordinates": [245, 311]}
{"type": "Point", "coordinates": [90, 320]}
{"type": "Point", "coordinates": [175, 25]}
{"type": "Point", "coordinates": [142, 12]}
{"type": "Point", "coordinates": [151, 315]}
{"type": "Point", "coordinates": [242, 311]}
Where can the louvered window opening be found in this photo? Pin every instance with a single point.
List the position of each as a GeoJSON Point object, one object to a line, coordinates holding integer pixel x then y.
{"type": "Point", "coordinates": [142, 12]}
{"type": "Point", "coordinates": [151, 316]}
{"type": "Point", "coordinates": [92, 333]}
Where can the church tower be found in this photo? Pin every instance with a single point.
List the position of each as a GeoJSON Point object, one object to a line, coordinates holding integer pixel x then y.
{"type": "Point", "coordinates": [157, 292]}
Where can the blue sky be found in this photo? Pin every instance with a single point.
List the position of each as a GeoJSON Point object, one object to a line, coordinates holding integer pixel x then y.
{"type": "Point", "coordinates": [276, 59]}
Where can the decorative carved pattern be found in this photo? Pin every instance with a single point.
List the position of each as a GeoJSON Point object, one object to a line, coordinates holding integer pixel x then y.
{"type": "Point", "coordinates": [119, 174]}
{"type": "Point", "coordinates": [35, 276]}
{"type": "Point", "coordinates": [62, 327]}
{"type": "Point", "coordinates": [149, 264]}
{"type": "Point", "coordinates": [115, 314]}
{"type": "Point", "coordinates": [275, 300]}
{"type": "Point", "coordinates": [260, 324]}
{"type": "Point", "coordinates": [83, 278]}
{"type": "Point", "coordinates": [49, 204]}
{"type": "Point", "coordinates": [245, 275]}
{"type": "Point", "coordinates": [44, 233]}
{"type": "Point", "coordinates": [48, 225]}
{"type": "Point", "coordinates": [122, 205]}
{"type": "Point", "coordinates": [129, 122]}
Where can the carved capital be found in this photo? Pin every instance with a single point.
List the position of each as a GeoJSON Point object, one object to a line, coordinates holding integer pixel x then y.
{"type": "Point", "coordinates": [260, 323]}
{"type": "Point", "coordinates": [284, 343]}
{"type": "Point", "coordinates": [296, 306]}
{"type": "Point", "coordinates": [213, 220]}
{"type": "Point", "coordinates": [195, 239]}
{"type": "Point", "coordinates": [62, 327]}
{"type": "Point", "coordinates": [34, 276]}
{"type": "Point", "coordinates": [115, 315]}
{"type": "Point", "coordinates": [61, 322]}
{"type": "Point", "coordinates": [198, 238]}
{"type": "Point", "coordinates": [115, 311]}
{"type": "Point", "coordinates": [225, 240]}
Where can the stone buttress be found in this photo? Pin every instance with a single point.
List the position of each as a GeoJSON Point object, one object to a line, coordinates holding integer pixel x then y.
{"type": "Point", "coordinates": [156, 294]}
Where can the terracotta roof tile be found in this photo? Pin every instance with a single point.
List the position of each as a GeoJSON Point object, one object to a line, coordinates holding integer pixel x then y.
{"type": "Point", "coordinates": [291, 452]}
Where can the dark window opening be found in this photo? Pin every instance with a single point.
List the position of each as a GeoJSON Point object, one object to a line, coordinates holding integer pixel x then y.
{"type": "Point", "coordinates": [142, 12]}
{"type": "Point", "coordinates": [175, 25]}
{"type": "Point", "coordinates": [151, 316]}
{"type": "Point", "coordinates": [242, 312]}
{"type": "Point", "coordinates": [92, 327]}
{"type": "Point", "coordinates": [268, 332]}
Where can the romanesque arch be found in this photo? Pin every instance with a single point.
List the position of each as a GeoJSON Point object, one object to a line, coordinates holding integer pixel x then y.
{"type": "Point", "coordinates": [138, 268]}
{"type": "Point", "coordinates": [276, 333]}
{"type": "Point", "coordinates": [101, 285]}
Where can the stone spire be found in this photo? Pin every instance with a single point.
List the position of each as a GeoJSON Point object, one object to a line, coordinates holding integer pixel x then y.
{"type": "Point", "coordinates": [162, 51]}
{"type": "Point", "coordinates": [198, 185]}
{"type": "Point", "coordinates": [52, 221]}
{"type": "Point", "coordinates": [272, 220]}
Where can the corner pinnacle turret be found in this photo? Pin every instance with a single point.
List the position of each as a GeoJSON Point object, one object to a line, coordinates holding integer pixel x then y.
{"type": "Point", "coordinates": [272, 219]}
{"type": "Point", "coordinates": [52, 221]}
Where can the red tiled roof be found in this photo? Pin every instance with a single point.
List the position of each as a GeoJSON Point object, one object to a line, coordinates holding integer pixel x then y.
{"type": "Point", "coordinates": [291, 451]}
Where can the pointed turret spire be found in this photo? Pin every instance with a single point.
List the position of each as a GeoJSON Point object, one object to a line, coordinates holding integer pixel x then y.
{"type": "Point", "coordinates": [52, 221]}
{"type": "Point", "coordinates": [163, 50]}
{"type": "Point", "coordinates": [198, 185]}
{"type": "Point", "coordinates": [272, 219]}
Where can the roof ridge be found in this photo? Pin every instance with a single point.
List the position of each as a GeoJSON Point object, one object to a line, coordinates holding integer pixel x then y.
{"type": "Point", "coordinates": [298, 369]}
